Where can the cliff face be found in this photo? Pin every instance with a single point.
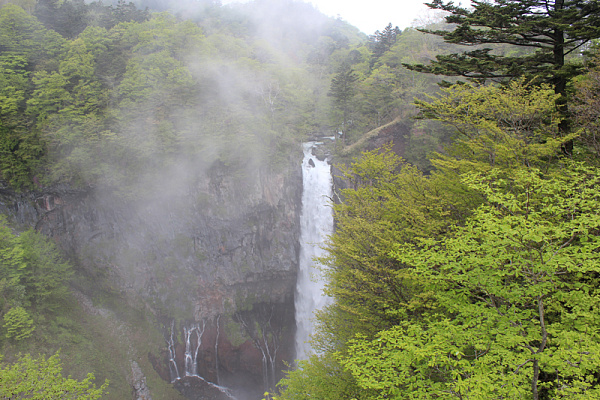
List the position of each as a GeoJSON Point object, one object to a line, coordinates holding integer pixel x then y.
{"type": "Point", "coordinates": [218, 248]}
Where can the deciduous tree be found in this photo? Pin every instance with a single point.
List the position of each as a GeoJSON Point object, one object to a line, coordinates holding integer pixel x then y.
{"type": "Point", "coordinates": [18, 324]}
{"type": "Point", "coordinates": [41, 379]}
{"type": "Point", "coordinates": [32, 271]}
{"type": "Point", "coordinates": [506, 127]}
{"type": "Point", "coordinates": [518, 293]}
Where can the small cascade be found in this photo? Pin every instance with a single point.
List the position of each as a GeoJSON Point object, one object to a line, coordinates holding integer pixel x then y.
{"type": "Point", "coordinates": [193, 340]}
{"type": "Point", "coordinates": [217, 351]}
{"type": "Point", "coordinates": [191, 350]}
{"type": "Point", "coordinates": [173, 370]}
{"type": "Point", "coordinates": [316, 224]}
{"type": "Point", "coordinates": [266, 339]}
{"type": "Point", "coordinates": [222, 389]}
{"type": "Point", "coordinates": [269, 352]}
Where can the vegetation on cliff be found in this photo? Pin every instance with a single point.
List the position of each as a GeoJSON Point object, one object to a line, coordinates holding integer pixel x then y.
{"type": "Point", "coordinates": [128, 93]}
{"type": "Point", "coordinates": [42, 378]}
{"type": "Point", "coordinates": [478, 280]}
{"type": "Point", "coordinates": [468, 268]}
{"type": "Point", "coordinates": [106, 98]}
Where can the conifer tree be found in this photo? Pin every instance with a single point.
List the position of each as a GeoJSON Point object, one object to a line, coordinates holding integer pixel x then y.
{"type": "Point", "coordinates": [380, 42]}
{"type": "Point", "coordinates": [553, 30]}
{"type": "Point", "coordinates": [342, 90]}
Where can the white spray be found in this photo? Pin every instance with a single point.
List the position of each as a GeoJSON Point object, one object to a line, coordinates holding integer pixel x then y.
{"type": "Point", "coordinates": [316, 223]}
{"type": "Point", "coordinates": [192, 349]}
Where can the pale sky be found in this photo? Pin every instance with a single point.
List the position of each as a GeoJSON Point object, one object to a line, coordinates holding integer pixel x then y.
{"type": "Point", "coordinates": [370, 15]}
{"type": "Point", "coordinates": [373, 15]}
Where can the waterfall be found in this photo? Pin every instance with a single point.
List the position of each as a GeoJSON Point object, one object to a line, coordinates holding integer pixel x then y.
{"type": "Point", "coordinates": [265, 339]}
{"type": "Point", "coordinates": [192, 349]}
{"type": "Point", "coordinates": [316, 223]}
{"type": "Point", "coordinates": [172, 363]}
{"type": "Point", "coordinates": [217, 351]}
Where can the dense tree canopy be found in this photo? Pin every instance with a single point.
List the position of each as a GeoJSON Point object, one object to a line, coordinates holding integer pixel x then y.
{"type": "Point", "coordinates": [100, 97]}
{"type": "Point", "coordinates": [516, 294]}
{"type": "Point", "coordinates": [32, 272]}
{"type": "Point", "coordinates": [41, 378]}
{"type": "Point", "coordinates": [477, 281]}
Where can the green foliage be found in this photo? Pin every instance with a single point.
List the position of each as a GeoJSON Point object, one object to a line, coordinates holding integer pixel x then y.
{"type": "Point", "coordinates": [18, 324]}
{"type": "Point", "coordinates": [42, 379]}
{"type": "Point", "coordinates": [32, 271]}
{"type": "Point", "coordinates": [388, 202]}
{"type": "Point", "coordinates": [11, 267]}
{"type": "Point", "coordinates": [70, 18]}
{"type": "Point", "coordinates": [23, 34]}
{"type": "Point", "coordinates": [319, 377]}
{"type": "Point", "coordinates": [384, 89]}
{"type": "Point", "coordinates": [380, 93]}
{"type": "Point", "coordinates": [497, 127]}
{"type": "Point", "coordinates": [46, 275]}
{"type": "Point", "coordinates": [517, 289]}
{"type": "Point", "coordinates": [127, 12]}
{"type": "Point", "coordinates": [380, 42]}
{"type": "Point", "coordinates": [554, 30]}
{"type": "Point", "coordinates": [13, 86]}
{"type": "Point", "coordinates": [27, 45]}
{"type": "Point", "coordinates": [342, 90]}
{"type": "Point", "coordinates": [27, 5]}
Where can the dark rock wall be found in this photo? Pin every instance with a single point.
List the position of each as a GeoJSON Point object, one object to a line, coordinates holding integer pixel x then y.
{"type": "Point", "coordinates": [220, 243]}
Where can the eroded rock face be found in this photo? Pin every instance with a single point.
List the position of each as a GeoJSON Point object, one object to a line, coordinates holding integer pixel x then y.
{"type": "Point", "coordinates": [234, 356]}
{"type": "Point", "coordinates": [214, 245]}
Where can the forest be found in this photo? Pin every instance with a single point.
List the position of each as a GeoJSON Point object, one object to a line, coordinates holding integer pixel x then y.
{"type": "Point", "coordinates": [465, 262]}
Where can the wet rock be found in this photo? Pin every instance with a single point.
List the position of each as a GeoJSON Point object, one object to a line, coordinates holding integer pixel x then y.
{"type": "Point", "coordinates": [216, 243]}
{"type": "Point", "coordinates": [194, 388]}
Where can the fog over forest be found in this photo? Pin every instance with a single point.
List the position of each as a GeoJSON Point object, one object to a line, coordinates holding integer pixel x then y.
{"type": "Point", "coordinates": [174, 173]}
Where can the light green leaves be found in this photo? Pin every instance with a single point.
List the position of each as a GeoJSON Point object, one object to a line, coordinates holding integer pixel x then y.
{"type": "Point", "coordinates": [41, 379]}
{"type": "Point", "coordinates": [508, 127]}
{"type": "Point", "coordinates": [32, 272]}
{"type": "Point", "coordinates": [516, 299]}
{"type": "Point", "coordinates": [18, 324]}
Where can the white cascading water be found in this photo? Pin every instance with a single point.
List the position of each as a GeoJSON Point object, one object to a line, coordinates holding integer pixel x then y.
{"type": "Point", "coordinates": [172, 356]}
{"type": "Point", "coordinates": [316, 224]}
{"type": "Point", "coordinates": [192, 348]}
{"type": "Point", "coordinates": [217, 350]}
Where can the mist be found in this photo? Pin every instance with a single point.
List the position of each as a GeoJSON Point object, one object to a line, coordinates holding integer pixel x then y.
{"type": "Point", "coordinates": [171, 176]}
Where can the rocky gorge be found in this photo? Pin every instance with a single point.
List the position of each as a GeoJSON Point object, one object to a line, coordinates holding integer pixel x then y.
{"type": "Point", "coordinates": [208, 258]}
